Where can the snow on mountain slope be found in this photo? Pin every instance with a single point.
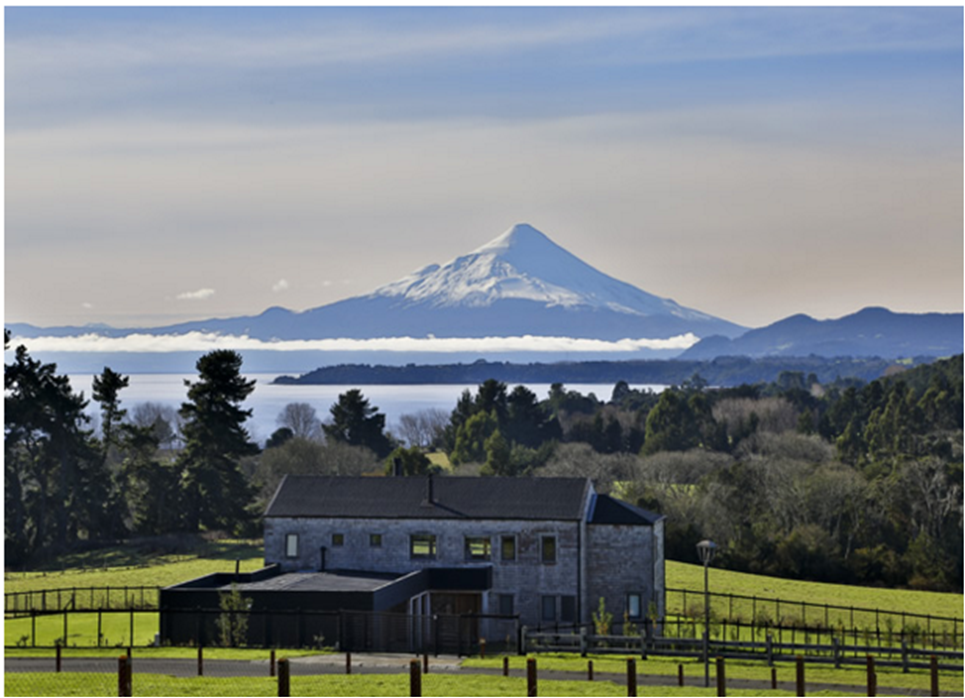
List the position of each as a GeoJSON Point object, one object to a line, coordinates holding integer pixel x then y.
{"type": "Point", "coordinates": [524, 264]}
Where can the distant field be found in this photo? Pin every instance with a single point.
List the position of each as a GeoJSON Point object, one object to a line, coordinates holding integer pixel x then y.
{"type": "Point", "coordinates": [118, 567]}
{"type": "Point", "coordinates": [691, 576]}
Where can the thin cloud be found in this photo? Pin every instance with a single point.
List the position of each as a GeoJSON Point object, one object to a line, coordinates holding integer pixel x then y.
{"type": "Point", "coordinates": [280, 285]}
{"type": "Point", "coordinates": [199, 295]}
{"type": "Point", "coordinates": [200, 341]}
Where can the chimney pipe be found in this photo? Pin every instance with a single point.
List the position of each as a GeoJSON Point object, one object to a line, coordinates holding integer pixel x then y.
{"type": "Point", "coordinates": [397, 466]}
{"type": "Point", "coordinates": [430, 494]}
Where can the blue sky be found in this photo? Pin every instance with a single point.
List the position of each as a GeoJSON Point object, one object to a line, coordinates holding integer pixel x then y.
{"type": "Point", "coordinates": [167, 164]}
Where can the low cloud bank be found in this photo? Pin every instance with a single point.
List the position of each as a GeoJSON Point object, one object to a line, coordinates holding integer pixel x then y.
{"type": "Point", "coordinates": [200, 341]}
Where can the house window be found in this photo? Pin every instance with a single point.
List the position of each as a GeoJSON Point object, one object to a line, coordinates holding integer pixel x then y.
{"type": "Point", "coordinates": [508, 545]}
{"type": "Point", "coordinates": [548, 549]}
{"type": "Point", "coordinates": [478, 548]}
{"type": "Point", "coordinates": [507, 607]}
{"type": "Point", "coordinates": [338, 540]}
{"type": "Point", "coordinates": [375, 540]}
{"type": "Point", "coordinates": [548, 609]}
{"type": "Point", "coordinates": [422, 545]}
{"type": "Point", "coordinates": [634, 606]}
{"type": "Point", "coordinates": [291, 545]}
{"type": "Point", "coordinates": [568, 609]}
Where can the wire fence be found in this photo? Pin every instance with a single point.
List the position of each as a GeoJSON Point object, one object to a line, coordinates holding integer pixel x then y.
{"type": "Point", "coordinates": [80, 599]}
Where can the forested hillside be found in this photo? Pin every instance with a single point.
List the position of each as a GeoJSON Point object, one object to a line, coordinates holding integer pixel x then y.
{"type": "Point", "coordinates": [835, 481]}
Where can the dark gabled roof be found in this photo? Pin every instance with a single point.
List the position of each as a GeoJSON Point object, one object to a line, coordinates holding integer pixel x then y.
{"type": "Point", "coordinates": [607, 510]}
{"type": "Point", "coordinates": [557, 499]}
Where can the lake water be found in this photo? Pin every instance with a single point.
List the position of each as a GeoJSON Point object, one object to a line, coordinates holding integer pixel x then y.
{"type": "Point", "coordinates": [268, 400]}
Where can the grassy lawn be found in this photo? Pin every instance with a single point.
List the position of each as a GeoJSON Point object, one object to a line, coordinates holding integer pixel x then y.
{"type": "Point", "coordinates": [77, 684]}
{"type": "Point", "coordinates": [123, 566]}
{"type": "Point", "coordinates": [82, 630]}
{"type": "Point", "coordinates": [681, 575]}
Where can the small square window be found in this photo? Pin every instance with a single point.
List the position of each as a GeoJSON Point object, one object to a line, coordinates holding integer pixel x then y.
{"type": "Point", "coordinates": [548, 549]}
{"type": "Point", "coordinates": [548, 609]}
{"type": "Point", "coordinates": [338, 540]}
{"type": "Point", "coordinates": [478, 548]}
{"type": "Point", "coordinates": [508, 547]}
{"type": "Point", "coordinates": [375, 540]}
{"type": "Point", "coordinates": [634, 606]}
{"type": "Point", "coordinates": [507, 607]}
{"type": "Point", "coordinates": [291, 545]}
{"type": "Point", "coordinates": [422, 545]}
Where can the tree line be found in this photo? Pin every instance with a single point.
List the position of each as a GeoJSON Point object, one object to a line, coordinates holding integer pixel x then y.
{"type": "Point", "coordinates": [839, 480]}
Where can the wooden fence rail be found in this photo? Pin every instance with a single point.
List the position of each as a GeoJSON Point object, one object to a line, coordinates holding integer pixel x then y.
{"type": "Point", "coordinates": [128, 598]}
{"type": "Point", "coordinates": [770, 651]}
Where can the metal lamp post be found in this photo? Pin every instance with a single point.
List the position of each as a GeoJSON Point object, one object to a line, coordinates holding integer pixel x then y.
{"type": "Point", "coordinates": [706, 549]}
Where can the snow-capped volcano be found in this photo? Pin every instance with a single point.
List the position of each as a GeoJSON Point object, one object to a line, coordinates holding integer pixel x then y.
{"type": "Point", "coordinates": [524, 264]}
{"type": "Point", "coordinates": [520, 284]}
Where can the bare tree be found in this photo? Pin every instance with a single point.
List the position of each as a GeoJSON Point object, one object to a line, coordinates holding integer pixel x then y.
{"type": "Point", "coordinates": [163, 419]}
{"type": "Point", "coordinates": [302, 419]}
{"type": "Point", "coordinates": [423, 428]}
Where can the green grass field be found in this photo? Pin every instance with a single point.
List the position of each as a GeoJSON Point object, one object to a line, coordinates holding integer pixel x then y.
{"type": "Point", "coordinates": [77, 684]}
{"type": "Point", "coordinates": [119, 567]}
{"type": "Point", "coordinates": [680, 575]}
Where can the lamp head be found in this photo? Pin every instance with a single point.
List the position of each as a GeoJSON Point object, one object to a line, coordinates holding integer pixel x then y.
{"type": "Point", "coordinates": [706, 550]}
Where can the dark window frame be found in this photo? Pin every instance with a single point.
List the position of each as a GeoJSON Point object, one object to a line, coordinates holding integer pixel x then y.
{"type": "Point", "coordinates": [289, 537]}
{"type": "Point", "coordinates": [503, 540]}
{"type": "Point", "coordinates": [338, 540]}
{"type": "Point", "coordinates": [639, 598]}
{"type": "Point", "coordinates": [375, 540]}
{"type": "Point", "coordinates": [543, 558]}
{"type": "Point", "coordinates": [506, 604]}
{"type": "Point", "coordinates": [545, 617]}
{"type": "Point", "coordinates": [487, 544]}
{"type": "Point", "coordinates": [429, 539]}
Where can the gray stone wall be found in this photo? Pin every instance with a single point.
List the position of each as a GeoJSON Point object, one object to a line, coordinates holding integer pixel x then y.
{"type": "Point", "coordinates": [527, 578]}
{"type": "Point", "coordinates": [620, 562]}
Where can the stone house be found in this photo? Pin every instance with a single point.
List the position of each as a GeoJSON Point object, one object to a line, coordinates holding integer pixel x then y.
{"type": "Point", "coordinates": [552, 546]}
{"type": "Point", "coordinates": [470, 552]}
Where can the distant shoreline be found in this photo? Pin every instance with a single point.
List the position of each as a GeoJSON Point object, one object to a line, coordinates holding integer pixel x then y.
{"type": "Point", "coordinates": [723, 371]}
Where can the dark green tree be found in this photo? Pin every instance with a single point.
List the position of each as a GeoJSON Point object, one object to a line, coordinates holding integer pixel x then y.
{"type": "Point", "coordinates": [357, 423]}
{"type": "Point", "coordinates": [412, 460]}
{"type": "Point", "coordinates": [216, 492]}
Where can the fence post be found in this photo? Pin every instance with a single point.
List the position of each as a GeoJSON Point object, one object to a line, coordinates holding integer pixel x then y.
{"type": "Point", "coordinates": [284, 678]}
{"type": "Point", "coordinates": [904, 657]}
{"type": "Point", "coordinates": [872, 679]}
{"type": "Point", "coordinates": [770, 650]}
{"type": "Point", "coordinates": [680, 674]}
{"type": "Point", "coordinates": [582, 642]}
{"type": "Point", "coordinates": [800, 675]}
{"type": "Point", "coordinates": [631, 676]}
{"type": "Point", "coordinates": [65, 627]}
{"type": "Point", "coordinates": [773, 678]}
{"type": "Point", "coordinates": [522, 640]}
{"type": "Point", "coordinates": [531, 681]}
{"type": "Point", "coordinates": [721, 678]}
{"type": "Point", "coordinates": [123, 677]}
{"type": "Point", "coordinates": [934, 675]}
{"type": "Point", "coordinates": [271, 663]}
{"type": "Point", "coordinates": [505, 666]}
{"type": "Point", "coordinates": [57, 659]}
{"type": "Point", "coordinates": [348, 663]}
{"type": "Point", "coordinates": [200, 660]}
{"type": "Point", "coordinates": [837, 652]}
{"type": "Point", "coordinates": [33, 628]}
{"type": "Point", "coordinates": [415, 678]}
{"type": "Point", "coordinates": [589, 669]}
{"type": "Point", "coordinates": [482, 648]}
{"type": "Point", "coordinates": [425, 663]}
